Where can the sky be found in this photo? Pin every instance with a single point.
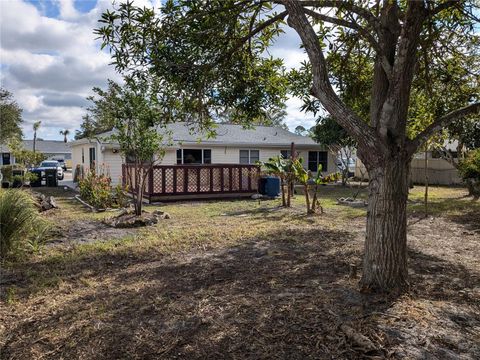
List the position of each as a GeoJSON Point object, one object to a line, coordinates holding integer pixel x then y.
{"type": "Point", "coordinates": [50, 61]}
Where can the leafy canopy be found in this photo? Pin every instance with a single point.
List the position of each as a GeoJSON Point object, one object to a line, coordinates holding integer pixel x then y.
{"type": "Point", "coordinates": [136, 116]}
{"type": "Point", "coordinates": [10, 117]}
{"type": "Point", "coordinates": [213, 58]}
{"type": "Point", "coordinates": [204, 56]}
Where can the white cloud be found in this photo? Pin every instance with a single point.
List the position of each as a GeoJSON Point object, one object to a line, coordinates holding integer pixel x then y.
{"type": "Point", "coordinates": [51, 63]}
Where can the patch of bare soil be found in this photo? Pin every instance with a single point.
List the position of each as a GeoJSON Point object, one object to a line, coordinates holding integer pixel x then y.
{"type": "Point", "coordinates": [289, 294]}
{"type": "Point", "coordinates": [81, 231]}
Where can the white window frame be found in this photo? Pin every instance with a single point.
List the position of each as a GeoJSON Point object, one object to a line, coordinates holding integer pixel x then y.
{"type": "Point", "coordinates": [249, 155]}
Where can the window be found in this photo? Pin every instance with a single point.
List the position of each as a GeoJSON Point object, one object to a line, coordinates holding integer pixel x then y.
{"type": "Point", "coordinates": [130, 158]}
{"type": "Point", "coordinates": [194, 156]}
{"type": "Point", "coordinates": [91, 153]}
{"type": "Point", "coordinates": [287, 153]}
{"type": "Point", "coordinates": [6, 159]}
{"type": "Point", "coordinates": [83, 156]}
{"type": "Point", "coordinates": [316, 158]}
{"type": "Point", "coordinates": [249, 156]}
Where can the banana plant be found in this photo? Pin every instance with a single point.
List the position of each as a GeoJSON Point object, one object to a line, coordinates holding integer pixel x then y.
{"type": "Point", "coordinates": [303, 176]}
{"type": "Point", "coordinates": [280, 167]}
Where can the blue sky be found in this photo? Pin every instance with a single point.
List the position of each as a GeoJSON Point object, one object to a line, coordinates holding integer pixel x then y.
{"type": "Point", "coordinates": [50, 60]}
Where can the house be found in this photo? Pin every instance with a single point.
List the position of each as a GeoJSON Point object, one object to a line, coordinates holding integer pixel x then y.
{"type": "Point", "coordinates": [52, 149]}
{"type": "Point", "coordinates": [438, 170]}
{"type": "Point", "coordinates": [232, 145]}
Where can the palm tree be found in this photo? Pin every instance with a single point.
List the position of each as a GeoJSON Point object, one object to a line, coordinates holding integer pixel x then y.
{"type": "Point", "coordinates": [36, 126]}
{"type": "Point", "coordinates": [65, 133]}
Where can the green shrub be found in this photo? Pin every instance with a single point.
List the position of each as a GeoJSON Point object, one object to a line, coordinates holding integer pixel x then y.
{"type": "Point", "coordinates": [469, 170]}
{"type": "Point", "coordinates": [97, 190]}
{"type": "Point", "coordinates": [120, 196]}
{"type": "Point", "coordinates": [20, 222]}
{"type": "Point", "coordinates": [7, 172]}
{"type": "Point", "coordinates": [469, 167]}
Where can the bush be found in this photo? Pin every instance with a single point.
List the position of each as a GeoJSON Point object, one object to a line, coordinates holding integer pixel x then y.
{"type": "Point", "coordinates": [7, 172]}
{"type": "Point", "coordinates": [469, 170]}
{"type": "Point", "coordinates": [20, 222]}
{"type": "Point", "coordinates": [97, 190]}
{"type": "Point", "coordinates": [120, 196]}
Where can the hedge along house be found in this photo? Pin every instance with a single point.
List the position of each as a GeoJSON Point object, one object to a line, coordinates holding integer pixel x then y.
{"type": "Point", "coordinates": [51, 149]}
{"type": "Point", "coordinates": [195, 164]}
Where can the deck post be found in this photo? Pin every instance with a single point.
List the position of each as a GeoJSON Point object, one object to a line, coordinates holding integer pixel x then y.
{"type": "Point", "coordinates": [211, 179]}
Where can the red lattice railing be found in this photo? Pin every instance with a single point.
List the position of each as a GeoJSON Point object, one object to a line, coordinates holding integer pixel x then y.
{"type": "Point", "coordinates": [198, 179]}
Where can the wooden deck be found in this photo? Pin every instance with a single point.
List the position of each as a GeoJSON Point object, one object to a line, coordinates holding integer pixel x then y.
{"type": "Point", "coordinates": [180, 182]}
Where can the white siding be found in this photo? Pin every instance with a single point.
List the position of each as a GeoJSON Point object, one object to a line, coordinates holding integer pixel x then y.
{"type": "Point", "coordinates": [77, 156]}
{"type": "Point", "coordinates": [112, 165]}
{"type": "Point", "coordinates": [111, 162]}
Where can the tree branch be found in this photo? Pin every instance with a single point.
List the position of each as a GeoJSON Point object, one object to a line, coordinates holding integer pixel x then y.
{"type": "Point", "coordinates": [360, 11]}
{"type": "Point", "coordinates": [322, 87]}
{"type": "Point", "coordinates": [361, 30]}
{"type": "Point", "coordinates": [438, 124]}
{"type": "Point", "coordinates": [254, 32]}
{"type": "Point", "coordinates": [443, 6]}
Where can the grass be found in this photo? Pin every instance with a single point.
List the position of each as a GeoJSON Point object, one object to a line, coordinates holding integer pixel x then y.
{"type": "Point", "coordinates": [222, 274]}
{"type": "Point", "coordinates": [211, 224]}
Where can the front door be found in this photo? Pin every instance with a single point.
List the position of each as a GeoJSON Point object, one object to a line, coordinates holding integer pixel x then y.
{"type": "Point", "coordinates": [91, 153]}
{"type": "Point", "coordinates": [6, 158]}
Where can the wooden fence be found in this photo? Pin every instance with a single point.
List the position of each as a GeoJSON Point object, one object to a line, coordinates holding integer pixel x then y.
{"type": "Point", "coordinates": [440, 172]}
{"type": "Point", "coordinates": [216, 180]}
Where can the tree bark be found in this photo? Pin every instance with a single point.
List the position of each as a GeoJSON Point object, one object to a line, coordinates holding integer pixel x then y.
{"type": "Point", "coordinates": [426, 182]}
{"type": "Point", "coordinates": [307, 199]}
{"type": "Point", "coordinates": [385, 260]}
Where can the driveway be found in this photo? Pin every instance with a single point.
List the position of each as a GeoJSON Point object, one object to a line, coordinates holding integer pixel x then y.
{"type": "Point", "coordinates": [68, 180]}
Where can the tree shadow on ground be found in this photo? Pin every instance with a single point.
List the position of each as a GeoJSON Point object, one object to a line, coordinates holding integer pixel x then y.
{"type": "Point", "coordinates": [469, 219]}
{"type": "Point", "coordinates": [269, 297]}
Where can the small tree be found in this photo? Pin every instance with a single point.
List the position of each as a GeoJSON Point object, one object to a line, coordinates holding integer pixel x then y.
{"type": "Point", "coordinates": [138, 123]}
{"type": "Point", "coordinates": [27, 158]}
{"type": "Point", "coordinates": [300, 130]}
{"type": "Point", "coordinates": [65, 133]}
{"type": "Point", "coordinates": [309, 182]}
{"type": "Point", "coordinates": [36, 126]}
{"type": "Point", "coordinates": [277, 166]}
{"type": "Point", "coordinates": [328, 133]}
{"type": "Point", "coordinates": [469, 169]}
{"type": "Point", "coordinates": [10, 117]}
{"type": "Point", "coordinates": [302, 175]}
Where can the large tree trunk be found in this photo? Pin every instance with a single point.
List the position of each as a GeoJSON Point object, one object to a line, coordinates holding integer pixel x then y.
{"type": "Point", "coordinates": [385, 261]}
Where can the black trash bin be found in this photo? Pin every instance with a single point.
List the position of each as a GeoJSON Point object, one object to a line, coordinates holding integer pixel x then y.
{"type": "Point", "coordinates": [38, 180]}
{"type": "Point", "coordinates": [51, 178]}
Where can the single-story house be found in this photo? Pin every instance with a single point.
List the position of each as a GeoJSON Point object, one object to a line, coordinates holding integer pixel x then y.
{"type": "Point", "coordinates": [438, 170]}
{"type": "Point", "coordinates": [52, 149]}
{"type": "Point", "coordinates": [232, 145]}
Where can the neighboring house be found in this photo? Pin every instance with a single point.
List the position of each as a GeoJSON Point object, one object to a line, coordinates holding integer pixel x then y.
{"type": "Point", "coordinates": [52, 149]}
{"type": "Point", "coordinates": [439, 171]}
{"type": "Point", "coordinates": [232, 145]}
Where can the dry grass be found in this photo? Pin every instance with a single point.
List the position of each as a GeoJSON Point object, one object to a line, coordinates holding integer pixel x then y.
{"type": "Point", "coordinates": [244, 279]}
